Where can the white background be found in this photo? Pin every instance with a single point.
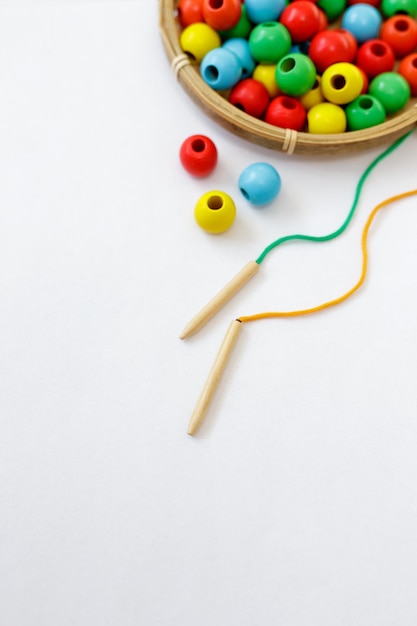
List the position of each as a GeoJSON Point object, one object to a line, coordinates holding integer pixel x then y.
{"type": "Point", "coordinates": [296, 504]}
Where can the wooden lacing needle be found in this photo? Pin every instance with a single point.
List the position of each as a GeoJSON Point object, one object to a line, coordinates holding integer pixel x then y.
{"type": "Point", "coordinates": [220, 299]}
{"type": "Point", "coordinates": [214, 376]}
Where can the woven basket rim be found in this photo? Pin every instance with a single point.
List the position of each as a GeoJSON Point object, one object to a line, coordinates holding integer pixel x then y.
{"type": "Point", "coordinates": [257, 131]}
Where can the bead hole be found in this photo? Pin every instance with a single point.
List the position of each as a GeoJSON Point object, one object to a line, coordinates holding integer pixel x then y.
{"type": "Point", "coordinates": [215, 203]}
{"type": "Point", "coordinates": [198, 145]}
{"type": "Point", "coordinates": [414, 63]}
{"type": "Point", "coordinates": [245, 193]}
{"type": "Point", "coordinates": [401, 25]}
{"type": "Point", "coordinates": [378, 49]}
{"type": "Point", "coordinates": [338, 81]}
{"type": "Point", "coordinates": [287, 103]}
{"type": "Point", "coordinates": [216, 4]}
{"type": "Point", "coordinates": [365, 103]}
{"type": "Point", "coordinates": [211, 73]}
{"type": "Point", "coordinates": [288, 64]}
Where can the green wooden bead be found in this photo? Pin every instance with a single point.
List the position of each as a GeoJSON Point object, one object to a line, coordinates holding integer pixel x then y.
{"type": "Point", "coordinates": [269, 42]}
{"type": "Point", "coordinates": [392, 90]}
{"type": "Point", "coordinates": [392, 7]}
{"type": "Point", "coordinates": [364, 112]}
{"type": "Point", "coordinates": [295, 74]}
{"type": "Point", "coordinates": [332, 8]}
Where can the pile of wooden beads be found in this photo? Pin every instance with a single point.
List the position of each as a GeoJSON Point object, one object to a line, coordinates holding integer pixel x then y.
{"type": "Point", "coordinates": [319, 66]}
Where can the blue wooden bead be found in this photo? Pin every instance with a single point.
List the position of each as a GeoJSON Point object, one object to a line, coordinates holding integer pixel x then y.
{"type": "Point", "coordinates": [221, 69]}
{"type": "Point", "coordinates": [364, 21]}
{"type": "Point", "coordinates": [259, 183]}
{"type": "Point", "coordinates": [264, 10]}
{"type": "Point", "coordinates": [240, 47]}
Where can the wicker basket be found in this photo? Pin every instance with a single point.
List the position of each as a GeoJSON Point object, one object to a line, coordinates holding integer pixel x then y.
{"type": "Point", "coordinates": [257, 131]}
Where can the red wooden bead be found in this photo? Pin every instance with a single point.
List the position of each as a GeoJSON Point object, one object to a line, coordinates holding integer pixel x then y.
{"type": "Point", "coordinates": [286, 112]}
{"type": "Point", "coordinates": [400, 32]}
{"type": "Point", "coordinates": [250, 96]}
{"type": "Point", "coordinates": [221, 14]}
{"type": "Point", "coordinates": [328, 47]}
{"type": "Point", "coordinates": [351, 43]}
{"type": "Point", "coordinates": [189, 12]}
{"type": "Point", "coordinates": [374, 3]}
{"type": "Point", "coordinates": [408, 69]}
{"type": "Point", "coordinates": [375, 57]}
{"type": "Point", "coordinates": [324, 21]}
{"type": "Point", "coordinates": [198, 155]}
{"type": "Point", "coordinates": [302, 19]}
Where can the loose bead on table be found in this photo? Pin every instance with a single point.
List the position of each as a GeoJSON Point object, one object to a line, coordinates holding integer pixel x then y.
{"type": "Point", "coordinates": [259, 183]}
{"type": "Point", "coordinates": [198, 155]}
{"type": "Point", "coordinates": [215, 212]}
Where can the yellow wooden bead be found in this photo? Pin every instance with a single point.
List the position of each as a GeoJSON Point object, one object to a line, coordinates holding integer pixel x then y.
{"type": "Point", "coordinates": [341, 83]}
{"type": "Point", "coordinates": [198, 39]}
{"type": "Point", "coordinates": [314, 96]}
{"type": "Point", "coordinates": [326, 118]}
{"type": "Point", "coordinates": [265, 74]}
{"type": "Point", "coordinates": [215, 212]}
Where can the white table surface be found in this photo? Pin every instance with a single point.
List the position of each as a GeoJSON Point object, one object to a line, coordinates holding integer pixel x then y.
{"type": "Point", "coordinates": [296, 504]}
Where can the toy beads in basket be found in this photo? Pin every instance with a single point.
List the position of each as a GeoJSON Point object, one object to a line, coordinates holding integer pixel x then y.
{"type": "Point", "coordinates": [299, 76]}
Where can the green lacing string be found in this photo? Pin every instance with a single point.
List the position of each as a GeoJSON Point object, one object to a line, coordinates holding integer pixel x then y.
{"type": "Point", "coordinates": [347, 221]}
